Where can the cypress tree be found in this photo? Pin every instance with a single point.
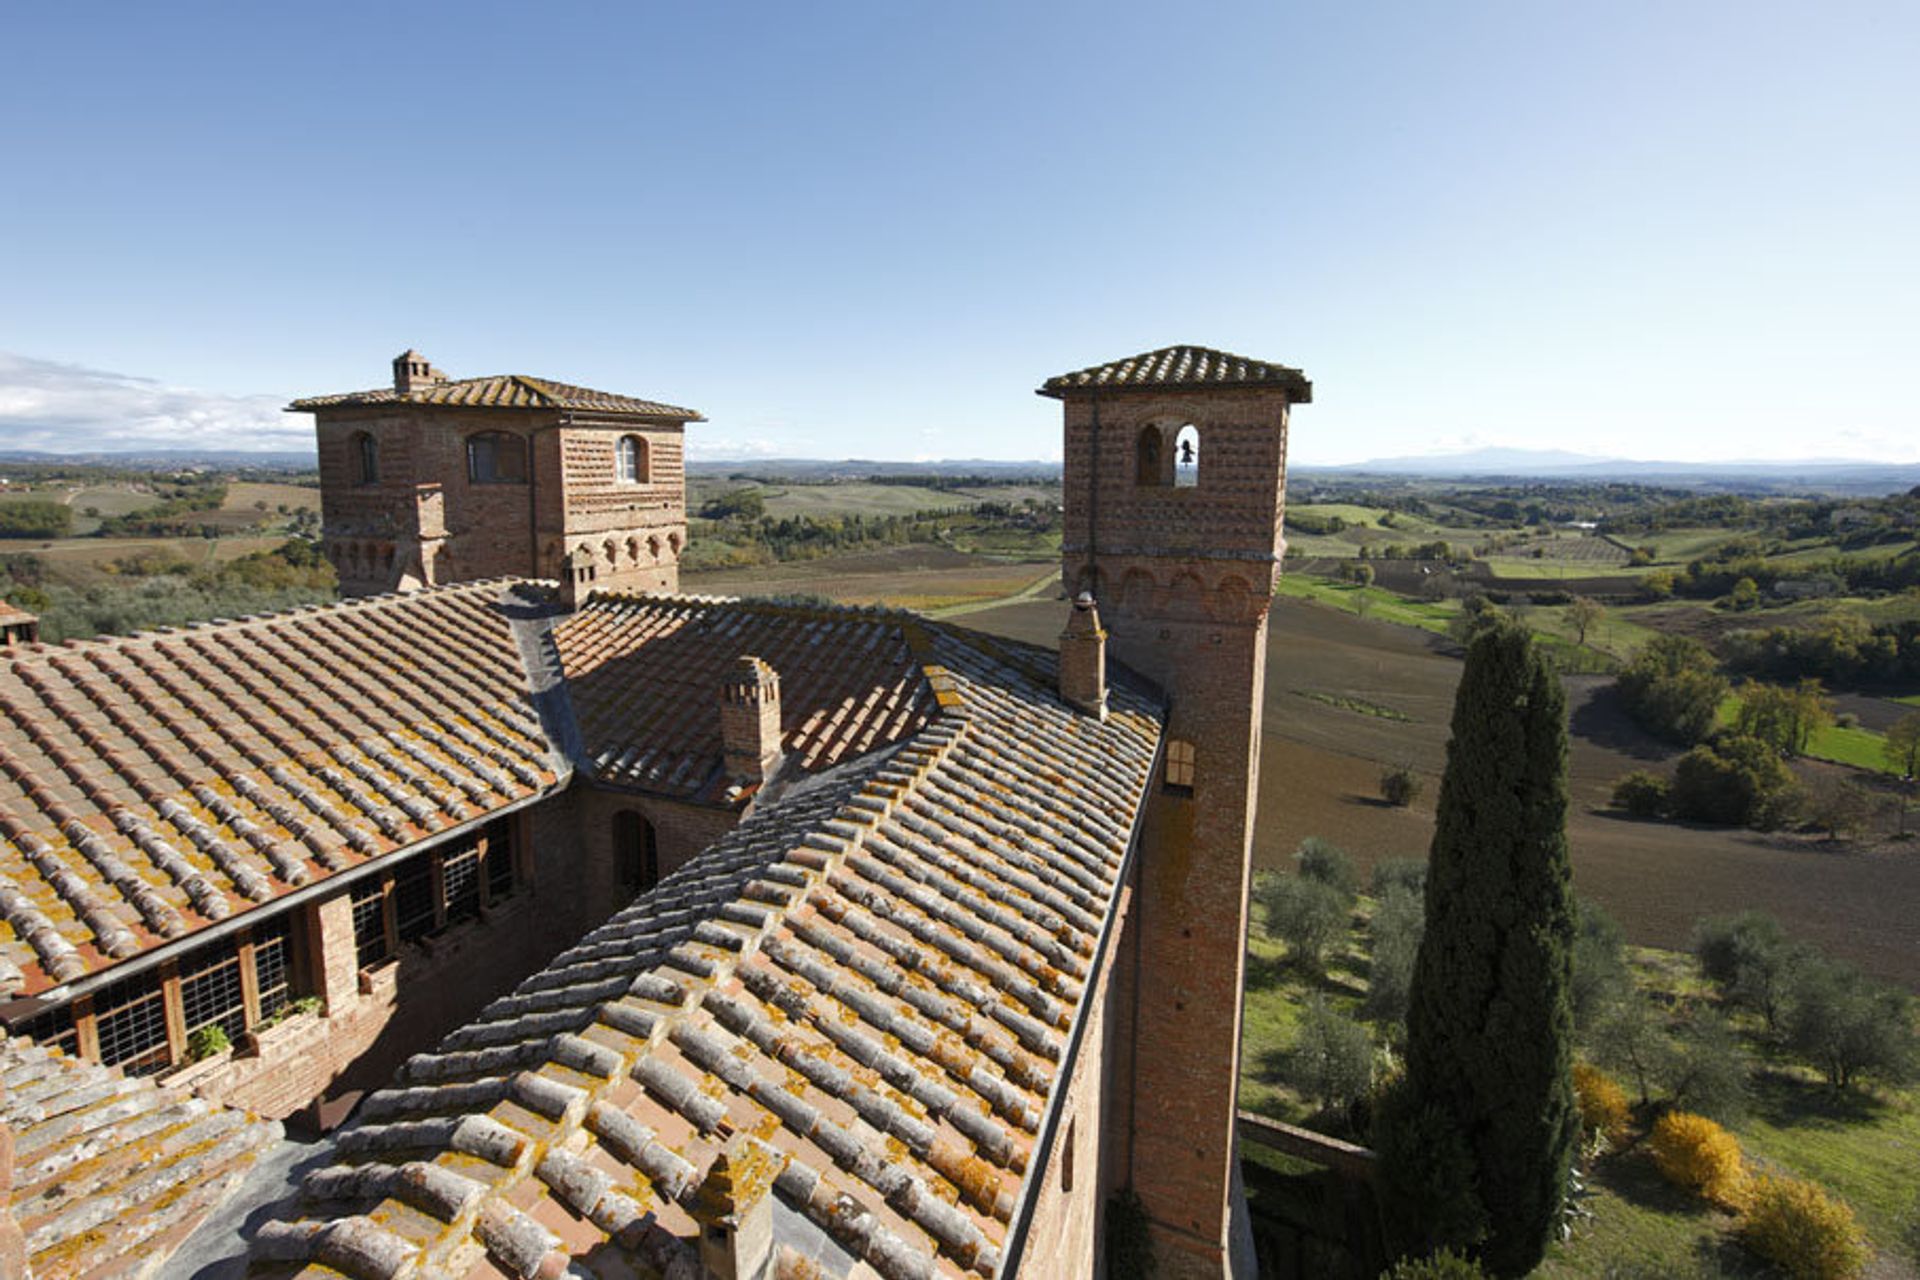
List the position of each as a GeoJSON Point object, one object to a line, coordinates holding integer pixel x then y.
{"type": "Point", "coordinates": [1490, 1022]}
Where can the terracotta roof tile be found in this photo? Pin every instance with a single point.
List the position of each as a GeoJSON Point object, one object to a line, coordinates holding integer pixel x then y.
{"type": "Point", "coordinates": [876, 974]}
{"type": "Point", "coordinates": [507, 391]}
{"type": "Point", "coordinates": [645, 673]}
{"type": "Point", "coordinates": [152, 785]}
{"type": "Point", "coordinates": [1181, 368]}
{"type": "Point", "coordinates": [112, 1174]}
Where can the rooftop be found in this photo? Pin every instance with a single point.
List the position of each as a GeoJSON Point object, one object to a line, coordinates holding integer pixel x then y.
{"type": "Point", "coordinates": [505, 391]}
{"type": "Point", "coordinates": [879, 975]}
{"type": "Point", "coordinates": [112, 1174]}
{"type": "Point", "coordinates": [1180, 368]}
{"type": "Point", "coordinates": [153, 785]}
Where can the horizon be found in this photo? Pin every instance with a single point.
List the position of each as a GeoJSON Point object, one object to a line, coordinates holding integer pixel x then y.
{"type": "Point", "coordinates": [843, 226]}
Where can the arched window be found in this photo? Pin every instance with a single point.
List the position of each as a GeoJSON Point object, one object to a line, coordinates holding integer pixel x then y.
{"type": "Point", "coordinates": [1180, 766]}
{"type": "Point", "coordinates": [630, 462]}
{"type": "Point", "coordinates": [1149, 467]}
{"type": "Point", "coordinates": [366, 458]}
{"type": "Point", "coordinates": [1186, 457]}
{"type": "Point", "coordinates": [636, 853]}
{"type": "Point", "coordinates": [494, 457]}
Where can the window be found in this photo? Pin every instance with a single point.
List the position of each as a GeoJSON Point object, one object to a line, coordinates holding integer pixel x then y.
{"type": "Point", "coordinates": [131, 1018]}
{"type": "Point", "coordinates": [415, 905]}
{"type": "Point", "coordinates": [494, 457]}
{"type": "Point", "coordinates": [1180, 766]}
{"type": "Point", "coordinates": [636, 851]}
{"type": "Point", "coordinates": [630, 462]}
{"type": "Point", "coordinates": [1146, 464]}
{"type": "Point", "coordinates": [272, 970]}
{"type": "Point", "coordinates": [210, 992]}
{"type": "Point", "coordinates": [370, 942]}
{"type": "Point", "coordinates": [460, 875]}
{"type": "Point", "coordinates": [1186, 457]}
{"type": "Point", "coordinates": [499, 861]}
{"type": "Point", "coordinates": [52, 1029]}
{"type": "Point", "coordinates": [366, 459]}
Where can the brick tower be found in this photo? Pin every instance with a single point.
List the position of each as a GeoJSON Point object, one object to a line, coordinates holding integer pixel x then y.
{"type": "Point", "coordinates": [1175, 482]}
{"type": "Point", "coordinates": [436, 480]}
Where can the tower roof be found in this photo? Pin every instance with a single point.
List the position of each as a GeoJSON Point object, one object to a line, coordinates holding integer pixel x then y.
{"type": "Point", "coordinates": [504, 391]}
{"type": "Point", "coordinates": [1180, 368]}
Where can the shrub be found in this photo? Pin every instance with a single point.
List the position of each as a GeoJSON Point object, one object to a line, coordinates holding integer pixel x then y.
{"type": "Point", "coordinates": [1695, 1153]}
{"type": "Point", "coordinates": [1407, 873]}
{"type": "Point", "coordinates": [1600, 974]}
{"type": "Point", "coordinates": [1705, 1067]}
{"type": "Point", "coordinates": [1393, 936]}
{"type": "Point", "coordinates": [1400, 786]}
{"type": "Point", "coordinates": [207, 1041]}
{"type": "Point", "coordinates": [1641, 794]}
{"type": "Point", "coordinates": [1307, 915]}
{"type": "Point", "coordinates": [1673, 688]}
{"type": "Point", "coordinates": [1328, 863]}
{"type": "Point", "coordinates": [1735, 781]}
{"type": "Point", "coordinates": [1442, 1265]}
{"type": "Point", "coordinates": [1750, 959]}
{"type": "Point", "coordinates": [1848, 1025]}
{"type": "Point", "coordinates": [1331, 1058]}
{"type": "Point", "coordinates": [1803, 1231]}
{"type": "Point", "coordinates": [1602, 1103]}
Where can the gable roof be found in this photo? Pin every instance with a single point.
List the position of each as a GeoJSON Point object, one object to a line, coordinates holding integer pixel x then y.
{"type": "Point", "coordinates": [112, 1174]}
{"type": "Point", "coordinates": [506, 391]}
{"type": "Point", "coordinates": [882, 977]}
{"type": "Point", "coordinates": [644, 675]}
{"type": "Point", "coordinates": [154, 785]}
{"type": "Point", "coordinates": [1182, 368]}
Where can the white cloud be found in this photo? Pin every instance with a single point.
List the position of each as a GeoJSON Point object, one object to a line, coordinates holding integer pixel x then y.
{"type": "Point", "coordinates": [69, 408]}
{"type": "Point", "coordinates": [700, 449]}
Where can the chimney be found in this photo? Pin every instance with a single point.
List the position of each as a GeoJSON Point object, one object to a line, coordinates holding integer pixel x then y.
{"type": "Point", "coordinates": [734, 1207]}
{"type": "Point", "coordinates": [750, 721]}
{"type": "Point", "coordinates": [411, 372]}
{"type": "Point", "coordinates": [1083, 659]}
{"type": "Point", "coordinates": [577, 578]}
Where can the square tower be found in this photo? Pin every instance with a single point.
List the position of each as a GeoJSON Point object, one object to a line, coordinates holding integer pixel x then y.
{"type": "Point", "coordinates": [1175, 490]}
{"type": "Point", "coordinates": [437, 480]}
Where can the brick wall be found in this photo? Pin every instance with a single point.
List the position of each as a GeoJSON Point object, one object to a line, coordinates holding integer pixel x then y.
{"type": "Point", "coordinates": [1184, 578]}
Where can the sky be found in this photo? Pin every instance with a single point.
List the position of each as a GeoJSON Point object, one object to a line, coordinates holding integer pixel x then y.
{"type": "Point", "coordinates": [1654, 230]}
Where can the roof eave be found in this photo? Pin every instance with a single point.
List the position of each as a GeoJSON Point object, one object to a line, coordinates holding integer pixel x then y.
{"type": "Point", "coordinates": [1299, 389]}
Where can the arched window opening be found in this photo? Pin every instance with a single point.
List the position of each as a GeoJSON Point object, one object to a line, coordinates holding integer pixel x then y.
{"type": "Point", "coordinates": [494, 457]}
{"type": "Point", "coordinates": [366, 459]}
{"type": "Point", "coordinates": [1179, 767]}
{"type": "Point", "coordinates": [612, 550]}
{"type": "Point", "coordinates": [1149, 465]}
{"type": "Point", "coordinates": [673, 543]}
{"type": "Point", "coordinates": [633, 550]}
{"type": "Point", "coordinates": [636, 851]}
{"type": "Point", "coordinates": [631, 463]}
{"type": "Point", "coordinates": [1186, 457]}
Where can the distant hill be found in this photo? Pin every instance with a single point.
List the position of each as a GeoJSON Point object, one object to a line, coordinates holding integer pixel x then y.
{"type": "Point", "coordinates": [168, 459]}
{"type": "Point", "coordinates": [1833, 475]}
{"type": "Point", "coordinates": [820, 471]}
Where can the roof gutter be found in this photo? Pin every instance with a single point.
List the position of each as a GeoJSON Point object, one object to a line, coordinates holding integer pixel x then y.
{"type": "Point", "coordinates": [1022, 1220]}
{"type": "Point", "coordinates": [27, 1006]}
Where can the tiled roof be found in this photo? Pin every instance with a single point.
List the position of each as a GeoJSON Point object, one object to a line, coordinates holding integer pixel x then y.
{"type": "Point", "coordinates": [507, 391]}
{"type": "Point", "coordinates": [645, 674]}
{"type": "Point", "coordinates": [10, 614]}
{"type": "Point", "coordinates": [878, 976]}
{"type": "Point", "coordinates": [111, 1174]}
{"type": "Point", "coordinates": [1180, 368]}
{"type": "Point", "coordinates": [151, 785]}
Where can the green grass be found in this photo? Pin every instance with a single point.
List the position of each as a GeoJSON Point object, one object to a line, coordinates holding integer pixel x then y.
{"type": "Point", "coordinates": [1861, 1146]}
{"type": "Point", "coordinates": [1550, 568]}
{"type": "Point", "coordinates": [1359, 706]}
{"type": "Point", "coordinates": [1861, 748]}
{"type": "Point", "coordinates": [860, 497]}
{"type": "Point", "coordinates": [1910, 700]}
{"type": "Point", "coordinates": [1371, 602]}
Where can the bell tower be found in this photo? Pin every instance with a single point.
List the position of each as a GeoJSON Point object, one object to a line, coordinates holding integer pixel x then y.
{"type": "Point", "coordinates": [1174, 487]}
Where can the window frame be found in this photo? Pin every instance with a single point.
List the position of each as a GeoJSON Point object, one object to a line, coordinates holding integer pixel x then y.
{"type": "Point", "coordinates": [366, 458]}
{"type": "Point", "coordinates": [1178, 769]}
{"type": "Point", "coordinates": [632, 460]}
{"type": "Point", "coordinates": [487, 445]}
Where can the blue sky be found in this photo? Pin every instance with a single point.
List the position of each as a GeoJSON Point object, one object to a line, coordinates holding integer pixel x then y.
{"type": "Point", "coordinates": [1649, 230]}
